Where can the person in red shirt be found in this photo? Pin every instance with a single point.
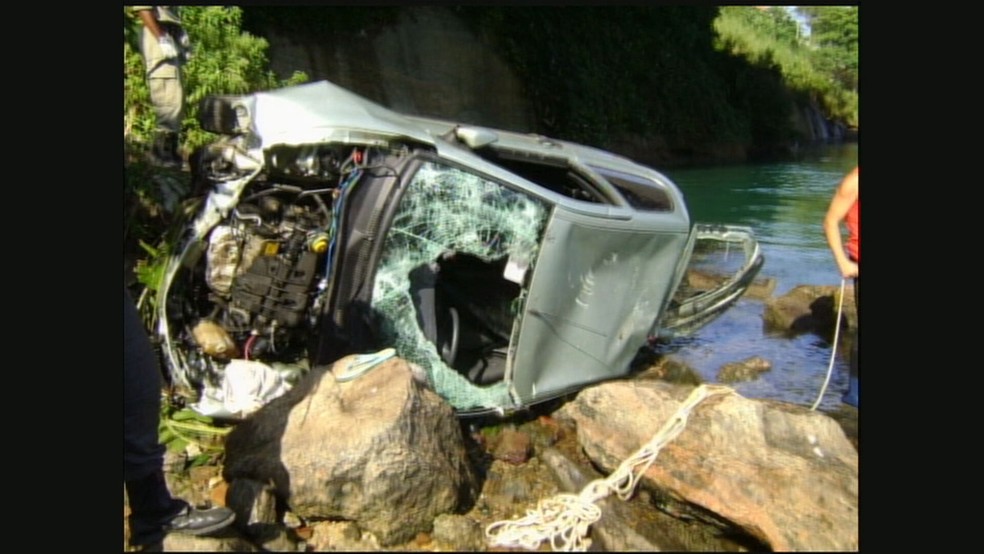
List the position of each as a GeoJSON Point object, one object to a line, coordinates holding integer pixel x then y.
{"type": "Point", "coordinates": [845, 207]}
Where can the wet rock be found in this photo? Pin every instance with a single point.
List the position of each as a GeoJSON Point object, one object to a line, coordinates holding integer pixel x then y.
{"type": "Point", "coordinates": [785, 475]}
{"type": "Point", "coordinates": [810, 308]}
{"type": "Point", "coordinates": [760, 288]}
{"type": "Point", "coordinates": [745, 370]}
{"type": "Point", "coordinates": [670, 369]}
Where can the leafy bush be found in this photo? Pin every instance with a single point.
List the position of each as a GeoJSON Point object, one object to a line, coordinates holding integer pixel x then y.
{"type": "Point", "coordinates": [823, 64]}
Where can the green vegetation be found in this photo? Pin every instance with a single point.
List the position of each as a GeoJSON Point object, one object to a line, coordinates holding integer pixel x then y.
{"type": "Point", "coordinates": [694, 78]}
{"type": "Point", "coordinates": [646, 71]}
{"type": "Point", "coordinates": [185, 430]}
{"type": "Point", "coordinates": [822, 64]}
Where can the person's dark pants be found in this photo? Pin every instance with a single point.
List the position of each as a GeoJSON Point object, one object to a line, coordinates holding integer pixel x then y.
{"type": "Point", "coordinates": [854, 384]}
{"type": "Point", "coordinates": [857, 330]}
{"type": "Point", "coordinates": [151, 504]}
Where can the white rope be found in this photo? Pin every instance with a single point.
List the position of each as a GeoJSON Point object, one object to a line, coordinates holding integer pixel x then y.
{"type": "Point", "coordinates": [565, 518]}
{"type": "Point", "coordinates": [833, 352]}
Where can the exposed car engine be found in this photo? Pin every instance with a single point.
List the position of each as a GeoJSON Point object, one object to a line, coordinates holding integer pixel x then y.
{"type": "Point", "coordinates": [255, 289]}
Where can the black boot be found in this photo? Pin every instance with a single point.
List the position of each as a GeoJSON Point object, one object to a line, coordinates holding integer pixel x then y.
{"type": "Point", "coordinates": [154, 513]}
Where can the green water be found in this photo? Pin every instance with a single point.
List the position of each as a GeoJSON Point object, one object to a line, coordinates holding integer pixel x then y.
{"type": "Point", "coordinates": [784, 203]}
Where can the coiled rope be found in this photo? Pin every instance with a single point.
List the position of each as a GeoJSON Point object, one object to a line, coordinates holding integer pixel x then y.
{"type": "Point", "coordinates": [565, 518]}
{"type": "Point", "coordinates": [833, 351]}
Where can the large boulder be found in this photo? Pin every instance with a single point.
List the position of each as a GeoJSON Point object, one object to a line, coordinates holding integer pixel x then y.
{"type": "Point", "coordinates": [381, 450]}
{"type": "Point", "coordinates": [783, 474]}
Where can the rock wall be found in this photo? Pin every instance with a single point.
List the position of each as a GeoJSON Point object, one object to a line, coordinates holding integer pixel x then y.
{"type": "Point", "coordinates": [406, 66]}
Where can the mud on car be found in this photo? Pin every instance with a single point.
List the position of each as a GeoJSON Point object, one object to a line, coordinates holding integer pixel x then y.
{"type": "Point", "coordinates": [510, 268]}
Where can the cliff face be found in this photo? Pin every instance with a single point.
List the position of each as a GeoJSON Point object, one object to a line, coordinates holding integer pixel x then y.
{"type": "Point", "coordinates": [425, 63]}
{"type": "Point", "coordinates": [428, 61]}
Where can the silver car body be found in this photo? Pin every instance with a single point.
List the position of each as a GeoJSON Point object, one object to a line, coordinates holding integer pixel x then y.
{"type": "Point", "coordinates": [584, 272]}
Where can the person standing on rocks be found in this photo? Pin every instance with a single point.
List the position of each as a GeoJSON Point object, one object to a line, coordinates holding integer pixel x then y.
{"type": "Point", "coordinates": [153, 511]}
{"type": "Point", "coordinates": [165, 47]}
{"type": "Point", "coordinates": [845, 207]}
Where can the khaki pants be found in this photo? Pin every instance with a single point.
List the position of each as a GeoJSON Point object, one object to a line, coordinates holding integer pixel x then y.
{"type": "Point", "coordinates": [164, 82]}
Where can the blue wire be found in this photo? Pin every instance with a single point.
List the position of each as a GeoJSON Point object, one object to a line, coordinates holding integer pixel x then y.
{"type": "Point", "coordinates": [337, 207]}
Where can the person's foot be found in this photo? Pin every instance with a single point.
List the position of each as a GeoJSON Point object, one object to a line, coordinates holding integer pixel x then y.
{"type": "Point", "coordinates": [195, 521]}
{"type": "Point", "coordinates": [853, 392]}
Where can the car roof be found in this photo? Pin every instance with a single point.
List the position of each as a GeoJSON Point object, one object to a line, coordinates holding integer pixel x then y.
{"type": "Point", "coordinates": [540, 146]}
{"type": "Point", "coordinates": [325, 107]}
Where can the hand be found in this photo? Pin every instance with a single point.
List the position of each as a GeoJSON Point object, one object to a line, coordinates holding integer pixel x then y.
{"type": "Point", "coordinates": [186, 50]}
{"type": "Point", "coordinates": [184, 41]}
{"type": "Point", "coordinates": [168, 50]}
{"type": "Point", "coordinates": [849, 269]}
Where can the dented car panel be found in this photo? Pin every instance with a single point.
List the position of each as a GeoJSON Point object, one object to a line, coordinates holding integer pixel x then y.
{"type": "Point", "coordinates": [599, 284]}
{"type": "Point", "coordinates": [510, 268]}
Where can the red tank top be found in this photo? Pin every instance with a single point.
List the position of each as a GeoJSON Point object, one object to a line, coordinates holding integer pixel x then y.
{"type": "Point", "coordinates": [853, 221]}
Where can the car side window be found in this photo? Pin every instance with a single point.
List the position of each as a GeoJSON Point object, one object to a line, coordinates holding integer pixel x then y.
{"type": "Point", "coordinates": [446, 213]}
{"type": "Point", "coordinates": [640, 193]}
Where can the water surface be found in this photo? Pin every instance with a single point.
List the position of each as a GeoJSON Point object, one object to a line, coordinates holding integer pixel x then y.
{"type": "Point", "coordinates": [784, 203]}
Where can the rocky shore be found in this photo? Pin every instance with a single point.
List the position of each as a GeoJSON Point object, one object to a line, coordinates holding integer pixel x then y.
{"type": "Point", "coordinates": [520, 463]}
{"type": "Point", "coordinates": [741, 475]}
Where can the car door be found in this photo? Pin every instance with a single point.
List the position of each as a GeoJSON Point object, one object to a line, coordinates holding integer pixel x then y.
{"type": "Point", "coordinates": [603, 275]}
{"type": "Point", "coordinates": [447, 284]}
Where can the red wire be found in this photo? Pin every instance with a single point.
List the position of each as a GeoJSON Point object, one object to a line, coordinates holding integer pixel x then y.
{"type": "Point", "coordinates": [249, 345]}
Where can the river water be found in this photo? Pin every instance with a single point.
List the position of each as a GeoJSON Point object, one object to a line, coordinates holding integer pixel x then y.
{"type": "Point", "coordinates": [784, 203]}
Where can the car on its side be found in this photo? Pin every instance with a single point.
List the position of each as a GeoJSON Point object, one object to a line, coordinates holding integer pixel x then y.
{"type": "Point", "coordinates": [511, 268]}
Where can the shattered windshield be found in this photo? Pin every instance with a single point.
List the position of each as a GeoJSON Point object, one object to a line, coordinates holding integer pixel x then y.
{"type": "Point", "coordinates": [447, 212]}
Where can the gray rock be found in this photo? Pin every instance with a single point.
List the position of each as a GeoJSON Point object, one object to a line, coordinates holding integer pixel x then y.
{"type": "Point", "coordinates": [380, 450]}
{"type": "Point", "coordinates": [340, 536]}
{"type": "Point", "coordinates": [784, 474]}
{"type": "Point", "coordinates": [176, 542]}
{"type": "Point", "coordinates": [460, 531]}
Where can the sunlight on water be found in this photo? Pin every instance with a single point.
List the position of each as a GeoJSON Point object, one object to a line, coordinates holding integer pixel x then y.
{"type": "Point", "coordinates": [784, 203]}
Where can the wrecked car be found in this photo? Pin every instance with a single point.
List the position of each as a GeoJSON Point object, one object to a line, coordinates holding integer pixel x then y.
{"type": "Point", "coordinates": [510, 268]}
